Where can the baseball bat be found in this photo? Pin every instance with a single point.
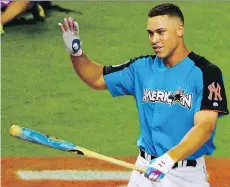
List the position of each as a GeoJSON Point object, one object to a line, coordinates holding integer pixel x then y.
{"type": "Point", "coordinates": [53, 142]}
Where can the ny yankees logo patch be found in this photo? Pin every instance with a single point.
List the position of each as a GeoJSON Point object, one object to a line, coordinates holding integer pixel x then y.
{"type": "Point", "coordinates": [214, 92]}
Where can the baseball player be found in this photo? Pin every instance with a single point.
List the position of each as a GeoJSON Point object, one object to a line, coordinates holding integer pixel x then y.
{"type": "Point", "coordinates": [179, 96]}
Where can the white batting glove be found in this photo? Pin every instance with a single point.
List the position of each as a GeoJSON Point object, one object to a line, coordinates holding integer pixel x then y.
{"type": "Point", "coordinates": [159, 167]}
{"type": "Point", "coordinates": [71, 38]}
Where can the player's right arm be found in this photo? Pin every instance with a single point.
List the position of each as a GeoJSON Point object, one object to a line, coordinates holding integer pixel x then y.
{"type": "Point", "coordinates": [90, 72]}
{"type": "Point", "coordinates": [119, 79]}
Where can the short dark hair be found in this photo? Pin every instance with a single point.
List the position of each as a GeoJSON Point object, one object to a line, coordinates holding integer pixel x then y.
{"type": "Point", "coordinates": [166, 9]}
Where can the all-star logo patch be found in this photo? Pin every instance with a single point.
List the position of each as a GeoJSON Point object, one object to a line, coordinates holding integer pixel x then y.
{"type": "Point", "coordinates": [169, 97]}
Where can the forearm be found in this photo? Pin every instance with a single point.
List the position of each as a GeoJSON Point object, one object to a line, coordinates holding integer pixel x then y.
{"type": "Point", "coordinates": [13, 10]}
{"type": "Point", "coordinates": [90, 72]}
{"type": "Point", "coordinates": [192, 141]}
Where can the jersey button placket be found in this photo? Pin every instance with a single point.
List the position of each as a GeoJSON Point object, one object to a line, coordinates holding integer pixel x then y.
{"type": "Point", "coordinates": [156, 119]}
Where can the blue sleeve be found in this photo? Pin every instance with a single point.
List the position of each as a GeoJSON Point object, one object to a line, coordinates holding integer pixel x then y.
{"type": "Point", "coordinates": [121, 82]}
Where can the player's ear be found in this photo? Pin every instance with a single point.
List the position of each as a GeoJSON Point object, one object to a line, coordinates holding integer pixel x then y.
{"type": "Point", "coordinates": [180, 30]}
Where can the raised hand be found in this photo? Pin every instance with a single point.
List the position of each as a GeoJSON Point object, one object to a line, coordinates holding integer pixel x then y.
{"type": "Point", "coordinates": [70, 30]}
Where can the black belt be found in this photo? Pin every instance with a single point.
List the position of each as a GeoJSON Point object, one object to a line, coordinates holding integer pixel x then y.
{"type": "Point", "coordinates": [191, 163]}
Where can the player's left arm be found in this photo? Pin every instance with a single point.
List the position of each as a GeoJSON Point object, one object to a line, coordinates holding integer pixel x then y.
{"type": "Point", "coordinates": [204, 124]}
{"type": "Point", "coordinates": [210, 103]}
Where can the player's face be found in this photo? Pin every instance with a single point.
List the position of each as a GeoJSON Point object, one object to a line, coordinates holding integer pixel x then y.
{"type": "Point", "coordinates": [163, 35]}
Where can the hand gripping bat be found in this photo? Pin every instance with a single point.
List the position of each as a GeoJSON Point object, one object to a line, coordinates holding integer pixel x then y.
{"type": "Point", "coordinates": [53, 142]}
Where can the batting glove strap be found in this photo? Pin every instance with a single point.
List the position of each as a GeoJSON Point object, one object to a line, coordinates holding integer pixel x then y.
{"type": "Point", "coordinates": [154, 174]}
{"type": "Point", "coordinates": [76, 47]}
{"type": "Point", "coordinates": [78, 53]}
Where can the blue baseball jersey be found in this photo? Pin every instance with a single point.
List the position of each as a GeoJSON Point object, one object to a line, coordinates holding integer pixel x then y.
{"type": "Point", "coordinates": [168, 98]}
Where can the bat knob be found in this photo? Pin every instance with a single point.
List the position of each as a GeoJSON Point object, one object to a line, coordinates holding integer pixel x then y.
{"type": "Point", "coordinates": [15, 130]}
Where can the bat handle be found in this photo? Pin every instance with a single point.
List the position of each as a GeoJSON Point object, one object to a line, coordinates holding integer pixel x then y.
{"type": "Point", "coordinates": [98, 156]}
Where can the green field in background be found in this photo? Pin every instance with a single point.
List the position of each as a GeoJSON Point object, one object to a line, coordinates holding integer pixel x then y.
{"type": "Point", "coordinates": [41, 91]}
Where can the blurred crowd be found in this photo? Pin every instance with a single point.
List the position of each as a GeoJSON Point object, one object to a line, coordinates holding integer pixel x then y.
{"type": "Point", "coordinates": [26, 12]}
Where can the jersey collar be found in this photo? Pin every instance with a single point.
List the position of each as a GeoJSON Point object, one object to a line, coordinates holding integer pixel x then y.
{"type": "Point", "coordinates": [160, 66]}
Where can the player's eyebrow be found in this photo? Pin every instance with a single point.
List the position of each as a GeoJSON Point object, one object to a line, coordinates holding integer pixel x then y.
{"type": "Point", "coordinates": [149, 31]}
{"type": "Point", "coordinates": [158, 30]}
